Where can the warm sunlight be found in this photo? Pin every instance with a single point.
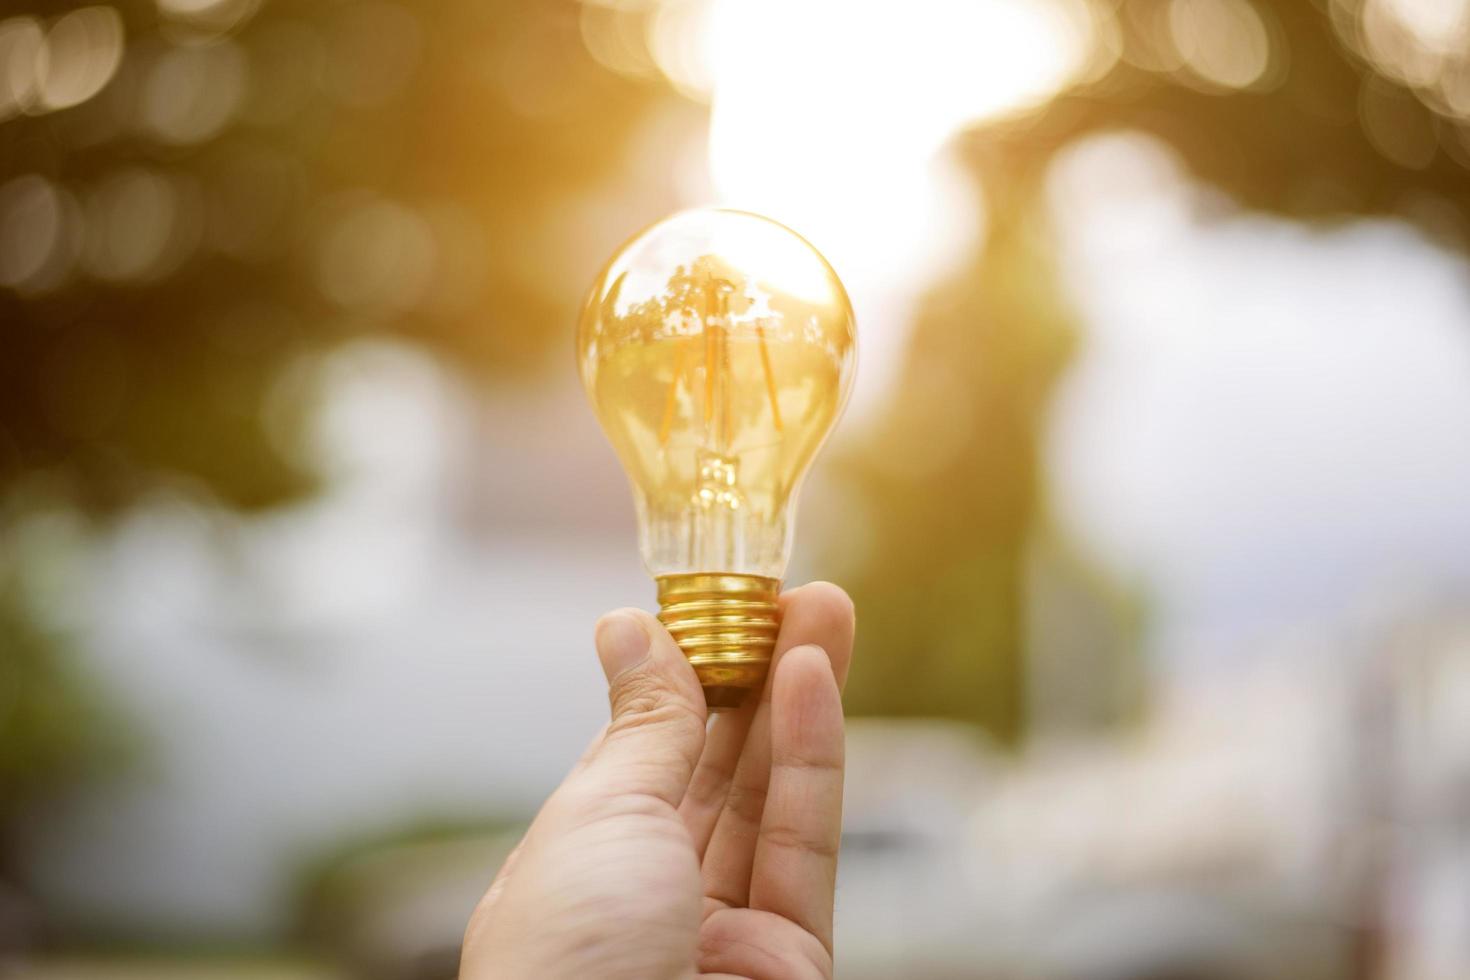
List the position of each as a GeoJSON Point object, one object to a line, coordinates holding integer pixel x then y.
{"type": "Point", "coordinates": [833, 118]}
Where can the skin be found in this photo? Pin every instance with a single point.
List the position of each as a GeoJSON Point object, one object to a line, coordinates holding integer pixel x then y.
{"type": "Point", "coordinates": [677, 849]}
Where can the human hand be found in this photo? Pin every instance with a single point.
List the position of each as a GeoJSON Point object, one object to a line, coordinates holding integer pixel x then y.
{"type": "Point", "coordinates": [672, 852]}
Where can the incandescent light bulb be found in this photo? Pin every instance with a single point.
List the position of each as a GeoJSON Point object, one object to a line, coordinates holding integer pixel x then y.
{"type": "Point", "coordinates": [718, 350]}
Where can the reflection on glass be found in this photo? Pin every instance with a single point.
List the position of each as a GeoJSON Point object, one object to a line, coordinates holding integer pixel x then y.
{"type": "Point", "coordinates": [717, 348]}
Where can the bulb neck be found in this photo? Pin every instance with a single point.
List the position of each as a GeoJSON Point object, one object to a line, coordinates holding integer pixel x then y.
{"type": "Point", "coordinates": [726, 625]}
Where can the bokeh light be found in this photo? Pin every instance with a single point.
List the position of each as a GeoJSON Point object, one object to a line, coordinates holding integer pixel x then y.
{"type": "Point", "coordinates": [1223, 42]}
{"type": "Point", "coordinates": [22, 43]}
{"type": "Point", "coordinates": [37, 232]}
{"type": "Point", "coordinates": [82, 51]}
{"type": "Point", "coordinates": [191, 93]}
{"type": "Point", "coordinates": [375, 255]}
{"type": "Point", "coordinates": [141, 224]}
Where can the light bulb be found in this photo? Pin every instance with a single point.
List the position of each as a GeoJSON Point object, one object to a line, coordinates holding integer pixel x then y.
{"type": "Point", "coordinates": [717, 348]}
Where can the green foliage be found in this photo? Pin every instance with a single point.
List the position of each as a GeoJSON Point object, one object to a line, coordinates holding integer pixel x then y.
{"type": "Point", "coordinates": [115, 385]}
{"type": "Point", "coordinates": [54, 727]}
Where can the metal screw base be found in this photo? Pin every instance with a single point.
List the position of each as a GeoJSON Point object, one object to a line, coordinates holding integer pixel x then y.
{"type": "Point", "coordinates": [726, 625]}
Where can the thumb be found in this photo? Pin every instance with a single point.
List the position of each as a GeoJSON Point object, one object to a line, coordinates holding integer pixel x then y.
{"type": "Point", "coordinates": [657, 730]}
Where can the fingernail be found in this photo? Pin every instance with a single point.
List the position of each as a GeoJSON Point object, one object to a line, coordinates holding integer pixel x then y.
{"type": "Point", "coordinates": [622, 642]}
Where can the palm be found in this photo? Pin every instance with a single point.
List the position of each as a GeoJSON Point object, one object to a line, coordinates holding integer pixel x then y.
{"type": "Point", "coordinates": [762, 937]}
{"type": "Point", "coordinates": [690, 853]}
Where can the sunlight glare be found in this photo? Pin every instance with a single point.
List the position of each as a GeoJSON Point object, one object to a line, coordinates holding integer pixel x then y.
{"type": "Point", "coordinates": [833, 118]}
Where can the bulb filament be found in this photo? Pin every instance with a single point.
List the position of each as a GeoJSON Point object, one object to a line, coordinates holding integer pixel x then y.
{"type": "Point", "coordinates": [714, 327]}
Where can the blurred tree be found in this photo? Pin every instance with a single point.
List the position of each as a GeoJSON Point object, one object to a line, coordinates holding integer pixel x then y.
{"type": "Point", "coordinates": [251, 189]}
{"type": "Point", "coordinates": [1324, 132]}
{"type": "Point", "coordinates": [54, 726]}
{"type": "Point", "coordinates": [249, 185]}
{"type": "Point", "coordinates": [941, 594]}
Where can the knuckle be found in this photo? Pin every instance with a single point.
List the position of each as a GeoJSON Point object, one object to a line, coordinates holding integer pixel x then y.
{"type": "Point", "coordinates": [711, 783]}
{"type": "Point", "coordinates": [786, 837]}
{"type": "Point", "coordinates": [641, 699]}
{"type": "Point", "coordinates": [747, 801]}
{"type": "Point", "coordinates": [636, 693]}
{"type": "Point", "coordinates": [824, 764]}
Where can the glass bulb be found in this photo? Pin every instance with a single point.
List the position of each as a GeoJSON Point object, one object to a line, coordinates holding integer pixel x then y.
{"type": "Point", "coordinates": [717, 348]}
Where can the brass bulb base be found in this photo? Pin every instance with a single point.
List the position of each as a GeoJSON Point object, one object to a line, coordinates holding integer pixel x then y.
{"type": "Point", "coordinates": [726, 625]}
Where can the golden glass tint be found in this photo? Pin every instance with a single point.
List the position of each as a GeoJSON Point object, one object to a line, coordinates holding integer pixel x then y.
{"type": "Point", "coordinates": [718, 350]}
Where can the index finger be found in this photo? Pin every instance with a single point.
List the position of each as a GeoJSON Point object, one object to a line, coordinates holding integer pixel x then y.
{"type": "Point", "coordinates": [730, 782]}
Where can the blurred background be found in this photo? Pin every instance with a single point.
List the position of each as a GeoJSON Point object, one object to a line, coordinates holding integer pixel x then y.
{"type": "Point", "coordinates": [1154, 495]}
